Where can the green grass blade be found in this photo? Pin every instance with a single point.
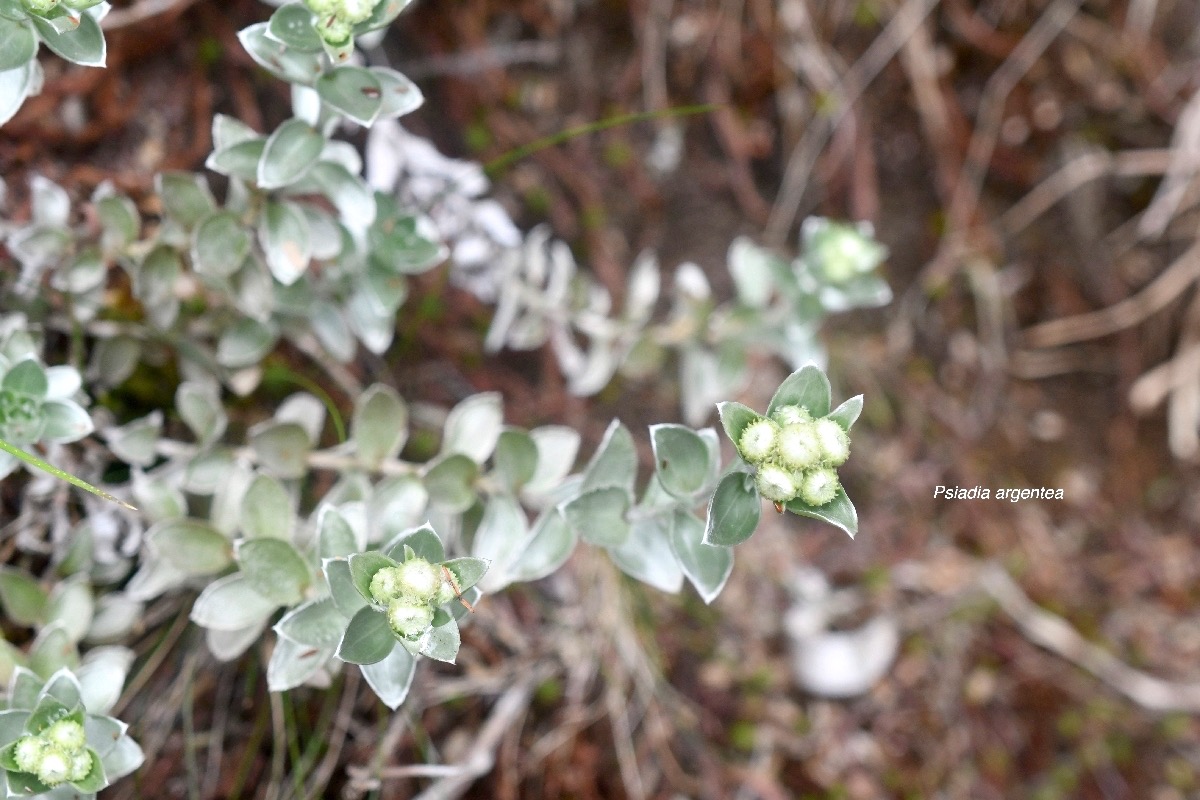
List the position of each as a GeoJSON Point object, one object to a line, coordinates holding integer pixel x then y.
{"type": "Point", "coordinates": [34, 461]}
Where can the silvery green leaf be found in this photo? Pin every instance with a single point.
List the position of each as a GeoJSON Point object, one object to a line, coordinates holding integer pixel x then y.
{"type": "Point", "coordinates": [335, 537]}
{"type": "Point", "coordinates": [398, 502]}
{"type": "Point", "coordinates": [155, 280]}
{"type": "Point", "coordinates": [24, 601]}
{"type": "Point", "coordinates": [14, 10]}
{"type": "Point", "coordinates": [391, 678]}
{"type": "Point", "coordinates": [289, 153]}
{"type": "Point", "coordinates": [185, 197]}
{"type": "Point", "coordinates": [72, 605]}
{"type": "Point", "coordinates": [199, 406]}
{"type": "Point", "coordinates": [473, 426]}
{"type": "Point", "coordinates": [500, 537]}
{"type": "Point", "coordinates": [13, 720]}
{"type": "Point", "coordinates": [806, 387]}
{"type": "Point", "coordinates": [136, 442]}
{"type": "Point", "coordinates": [283, 235]}
{"type": "Point", "coordinates": [753, 270]}
{"type": "Point", "coordinates": [373, 324]}
{"type": "Point", "coordinates": [332, 332]}
{"type": "Point", "coordinates": [119, 221]}
{"type": "Point", "coordinates": [596, 370]}
{"type": "Point", "coordinates": [281, 447]}
{"type": "Point", "coordinates": [52, 650]}
{"type": "Point", "coordinates": [847, 413]}
{"type": "Point", "coordinates": [352, 91]}
{"type": "Point", "coordinates": [125, 757]}
{"type": "Point", "coordinates": [245, 343]}
{"type": "Point", "coordinates": [226, 646]}
{"type": "Point", "coordinates": [102, 676]}
{"type": "Point", "coordinates": [344, 155]}
{"type": "Point", "coordinates": [368, 639]}
{"type": "Point", "coordinates": [267, 510]}
{"type": "Point", "coordinates": [84, 45]}
{"type": "Point", "coordinates": [700, 375]}
{"type": "Point", "coordinates": [220, 243]}
{"type": "Point", "coordinates": [274, 569]}
{"type": "Point", "coordinates": [306, 105]}
{"type": "Point", "coordinates": [62, 382]}
{"type": "Point", "coordinates": [380, 425]}
{"type": "Point", "coordinates": [114, 359]}
{"type": "Point", "coordinates": [292, 25]}
{"type": "Point", "coordinates": [114, 619]}
{"type": "Point", "coordinates": [156, 498]}
{"type": "Point", "coordinates": [306, 411]}
{"type": "Point", "coordinates": [23, 690]}
{"type": "Point", "coordinates": [681, 459]}
{"type": "Point", "coordinates": [400, 95]}
{"type": "Point", "coordinates": [515, 459]}
{"type": "Point", "coordinates": [449, 481]}
{"type": "Point", "coordinates": [85, 272]}
{"type": "Point", "coordinates": [15, 85]}
{"type": "Point", "coordinates": [228, 131]}
{"type": "Point", "coordinates": [467, 571]}
{"type": "Point", "coordinates": [326, 235]}
{"type": "Point", "coordinates": [733, 511]}
{"type": "Point", "coordinates": [615, 461]}
{"type": "Point", "coordinates": [154, 576]}
{"type": "Point", "coordinates": [293, 66]}
{"type": "Point", "coordinates": [37, 246]}
{"type": "Point", "coordinates": [66, 421]}
{"type": "Point", "coordinates": [598, 516]}
{"type": "Point", "coordinates": [389, 289]}
{"type": "Point", "coordinates": [441, 642]}
{"type": "Point", "coordinates": [706, 566]}
{"type": "Point", "coordinates": [549, 547]}
{"type": "Point", "coordinates": [381, 15]}
{"type": "Point", "coordinates": [231, 603]}
{"type": "Point", "coordinates": [557, 447]}
{"type": "Point", "coordinates": [353, 199]}
{"type": "Point", "coordinates": [292, 664]}
{"type": "Point", "coordinates": [316, 623]}
{"type": "Point", "coordinates": [103, 732]}
{"type": "Point", "coordinates": [191, 546]}
{"type": "Point", "coordinates": [239, 160]}
{"type": "Point", "coordinates": [18, 44]}
{"type": "Point", "coordinates": [27, 377]}
{"type": "Point", "coordinates": [62, 686]}
{"type": "Point", "coordinates": [644, 285]}
{"type": "Point", "coordinates": [839, 512]}
{"type": "Point", "coordinates": [646, 554]}
{"type": "Point", "coordinates": [207, 470]}
{"type": "Point", "coordinates": [423, 542]}
{"type": "Point", "coordinates": [342, 589]}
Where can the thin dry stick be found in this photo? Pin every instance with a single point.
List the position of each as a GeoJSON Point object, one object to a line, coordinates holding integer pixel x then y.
{"type": "Point", "coordinates": [1079, 172]}
{"type": "Point", "coordinates": [987, 129]}
{"type": "Point", "coordinates": [341, 726]}
{"type": "Point", "coordinates": [853, 83]}
{"type": "Point", "coordinates": [147, 9]}
{"type": "Point", "coordinates": [1130, 311]}
{"type": "Point", "coordinates": [617, 706]}
{"type": "Point", "coordinates": [1154, 386]}
{"type": "Point", "coordinates": [1056, 635]}
{"type": "Point", "coordinates": [1183, 412]}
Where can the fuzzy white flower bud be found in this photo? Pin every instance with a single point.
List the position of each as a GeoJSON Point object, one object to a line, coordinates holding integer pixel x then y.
{"type": "Point", "coordinates": [386, 585]}
{"type": "Point", "coordinates": [419, 579]}
{"type": "Point", "coordinates": [775, 483]}
{"type": "Point", "coordinates": [409, 619]}
{"type": "Point", "coordinates": [28, 753]}
{"type": "Point", "coordinates": [799, 446]}
{"type": "Point", "coordinates": [758, 440]}
{"type": "Point", "coordinates": [819, 486]}
{"type": "Point", "coordinates": [81, 765]}
{"type": "Point", "coordinates": [790, 415]}
{"type": "Point", "coordinates": [66, 734]}
{"type": "Point", "coordinates": [835, 443]}
{"type": "Point", "coordinates": [55, 767]}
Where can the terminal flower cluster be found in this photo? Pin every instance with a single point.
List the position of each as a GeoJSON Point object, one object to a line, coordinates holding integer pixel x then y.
{"type": "Point", "coordinates": [336, 18]}
{"type": "Point", "coordinates": [56, 755]}
{"type": "Point", "coordinates": [411, 592]}
{"type": "Point", "coordinates": [795, 455]}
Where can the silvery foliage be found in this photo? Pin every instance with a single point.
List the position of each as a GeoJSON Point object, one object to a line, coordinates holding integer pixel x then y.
{"type": "Point", "coordinates": [71, 29]}
{"type": "Point", "coordinates": [302, 248]}
{"type": "Point", "coordinates": [779, 307]}
{"type": "Point", "coordinates": [56, 741]}
{"type": "Point", "coordinates": [38, 404]}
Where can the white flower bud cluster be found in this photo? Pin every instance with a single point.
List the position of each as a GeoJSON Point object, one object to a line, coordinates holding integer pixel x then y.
{"type": "Point", "coordinates": [56, 755]}
{"type": "Point", "coordinates": [336, 18]}
{"type": "Point", "coordinates": [795, 455]}
{"type": "Point", "coordinates": [411, 592]}
{"type": "Point", "coordinates": [839, 252]}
